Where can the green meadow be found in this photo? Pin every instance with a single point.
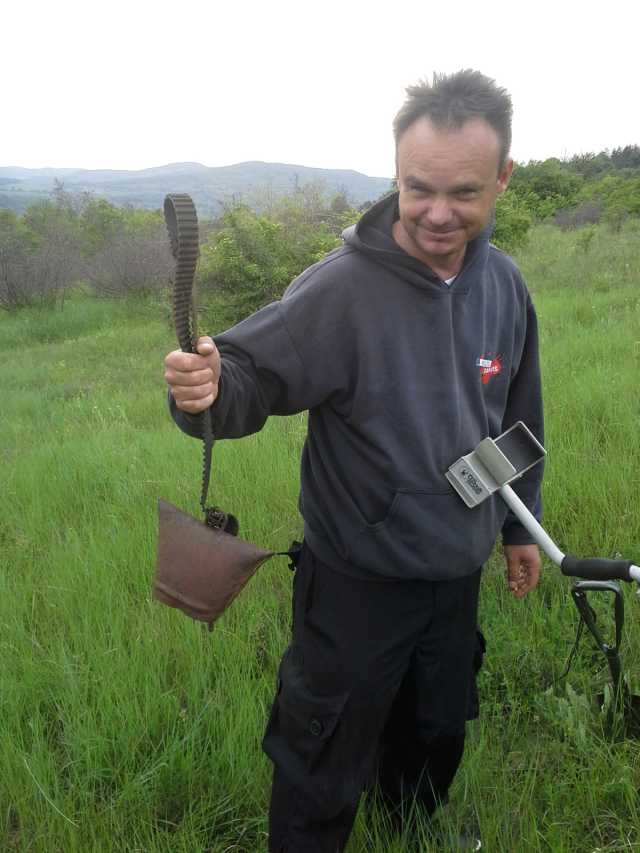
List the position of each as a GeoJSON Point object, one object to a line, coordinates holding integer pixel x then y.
{"type": "Point", "coordinates": [125, 726]}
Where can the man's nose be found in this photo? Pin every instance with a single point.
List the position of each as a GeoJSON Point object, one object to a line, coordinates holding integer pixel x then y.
{"type": "Point", "coordinates": [439, 212]}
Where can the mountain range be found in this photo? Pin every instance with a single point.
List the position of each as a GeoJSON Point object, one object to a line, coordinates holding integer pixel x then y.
{"type": "Point", "coordinates": [210, 187]}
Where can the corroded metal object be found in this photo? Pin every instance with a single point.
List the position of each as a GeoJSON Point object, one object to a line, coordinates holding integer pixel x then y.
{"type": "Point", "coordinates": [201, 569]}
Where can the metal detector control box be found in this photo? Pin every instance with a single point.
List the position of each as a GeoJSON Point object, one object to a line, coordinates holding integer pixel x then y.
{"type": "Point", "coordinates": [494, 463]}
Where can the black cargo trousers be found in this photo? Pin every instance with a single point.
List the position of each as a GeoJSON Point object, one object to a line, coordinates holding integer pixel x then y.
{"type": "Point", "coordinates": [374, 690]}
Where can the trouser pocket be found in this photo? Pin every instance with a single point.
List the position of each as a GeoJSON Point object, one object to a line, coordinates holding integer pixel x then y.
{"type": "Point", "coordinates": [303, 738]}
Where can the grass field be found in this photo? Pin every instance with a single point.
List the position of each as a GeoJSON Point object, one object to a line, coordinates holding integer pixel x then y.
{"type": "Point", "coordinates": [126, 727]}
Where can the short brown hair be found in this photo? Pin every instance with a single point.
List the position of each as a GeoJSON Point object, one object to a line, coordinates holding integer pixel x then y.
{"type": "Point", "coordinates": [452, 99]}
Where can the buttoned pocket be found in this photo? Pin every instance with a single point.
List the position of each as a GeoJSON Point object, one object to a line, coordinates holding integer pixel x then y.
{"type": "Point", "coordinates": [305, 721]}
{"type": "Point", "coordinates": [302, 732]}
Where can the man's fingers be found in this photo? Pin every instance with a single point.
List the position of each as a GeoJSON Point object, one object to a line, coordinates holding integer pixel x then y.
{"type": "Point", "coordinates": [194, 407]}
{"type": "Point", "coordinates": [514, 574]}
{"type": "Point", "coordinates": [188, 379]}
{"type": "Point", "coordinates": [182, 393]}
{"type": "Point", "coordinates": [523, 568]}
{"type": "Point", "coordinates": [524, 579]}
{"type": "Point", "coordinates": [188, 362]}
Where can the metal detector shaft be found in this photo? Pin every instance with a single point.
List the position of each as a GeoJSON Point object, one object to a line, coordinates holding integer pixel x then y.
{"type": "Point", "coordinates": [591, 567]}
{"type": "Point", "coordinates": [533, 526]}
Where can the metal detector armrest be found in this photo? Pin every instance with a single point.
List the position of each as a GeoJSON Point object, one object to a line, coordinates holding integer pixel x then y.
{"type": "Point", "coordinates": [495, 463]}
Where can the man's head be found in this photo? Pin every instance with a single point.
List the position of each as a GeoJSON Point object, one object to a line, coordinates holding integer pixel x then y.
{"type": "Point", "coordinates": [452, 159]}
{"type": "Point", "coordinates": [452, 100]}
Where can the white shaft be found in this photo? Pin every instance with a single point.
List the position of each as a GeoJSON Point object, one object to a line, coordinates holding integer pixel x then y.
{"type": "Point", "coordinates": [534, 527]}
{"type": "Point", "coordinates": [539, 533]}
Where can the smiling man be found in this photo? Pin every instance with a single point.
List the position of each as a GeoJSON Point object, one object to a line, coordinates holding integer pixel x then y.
{"type": "Point", "coordinates": [408, 345]}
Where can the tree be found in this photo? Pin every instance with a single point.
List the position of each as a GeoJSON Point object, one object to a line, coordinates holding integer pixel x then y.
{"type": "Point", "coordinates": [590, 165]}
{"type": "Point", "coordinates": [51, 256]}
{"type": "Point", "coordinates": [247, 260]}
{"type": "Point", "coordinates": [16, 242]}
{"type": "Point", "coordinates": [251, 257]}
{"type": "Point", "coordinates": [131, 251]}
{"type": "Point", "coordinates": [513, 220]}
{"type": "Point", "coordinates": [549, 185]}
{"type": "Point", "coordinates": [101, 221]}
{"type": "Point", "coordinates": [627, 157]}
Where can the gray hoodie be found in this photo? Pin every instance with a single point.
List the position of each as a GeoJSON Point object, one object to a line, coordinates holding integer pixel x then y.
{"type": "Point", "coordinates": [401, 375]}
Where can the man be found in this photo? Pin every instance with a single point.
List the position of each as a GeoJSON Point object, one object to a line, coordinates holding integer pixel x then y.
{"type": "Point", "coordinates": [408, 345]}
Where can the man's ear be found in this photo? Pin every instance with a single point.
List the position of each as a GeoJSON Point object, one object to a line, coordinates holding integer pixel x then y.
{"type": "Point", "coordinates": [504, 176]}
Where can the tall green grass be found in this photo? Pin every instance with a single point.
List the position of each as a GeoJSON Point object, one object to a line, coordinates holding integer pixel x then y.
{"type": "Point", "coordinates": [126, 727]}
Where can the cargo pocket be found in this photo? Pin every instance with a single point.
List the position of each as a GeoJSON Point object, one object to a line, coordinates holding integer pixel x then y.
{"type": "Point", "coordinates": [302, 736]}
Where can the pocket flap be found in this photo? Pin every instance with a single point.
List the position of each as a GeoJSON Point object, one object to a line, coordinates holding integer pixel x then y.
{"type": "Point", "coordinates": [317, 715]}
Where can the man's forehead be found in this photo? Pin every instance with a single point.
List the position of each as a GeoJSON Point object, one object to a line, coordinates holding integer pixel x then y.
{"type": "Point", "coordinates": [425, 145]}
{"type": "Point", "coordinates": [460, 179]}
{"type": "Point", "coordinates": [475, 130]}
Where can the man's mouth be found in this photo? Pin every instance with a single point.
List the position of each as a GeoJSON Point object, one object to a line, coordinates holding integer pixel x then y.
{"type": "Point", "coordinates": [439, 235]}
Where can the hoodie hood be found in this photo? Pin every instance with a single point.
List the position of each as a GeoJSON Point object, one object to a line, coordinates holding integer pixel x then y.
{"type": "Point", "coordinates": [373, 235]}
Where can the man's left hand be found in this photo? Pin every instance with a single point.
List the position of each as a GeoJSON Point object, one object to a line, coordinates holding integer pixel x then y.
{"type": "Point", "coordinates": [523, 568]}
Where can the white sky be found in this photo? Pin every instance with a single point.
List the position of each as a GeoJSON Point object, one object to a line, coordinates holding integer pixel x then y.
{"type": "Point", "coordinates": [128, 85]}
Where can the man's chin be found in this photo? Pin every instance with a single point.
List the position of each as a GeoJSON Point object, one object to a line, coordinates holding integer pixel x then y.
{"type": "Point", "coordinates": [442, 247]}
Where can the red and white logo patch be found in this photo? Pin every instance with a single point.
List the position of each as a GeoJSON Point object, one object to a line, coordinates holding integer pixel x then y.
{"type": "Point", "coordinates": [489, 367]}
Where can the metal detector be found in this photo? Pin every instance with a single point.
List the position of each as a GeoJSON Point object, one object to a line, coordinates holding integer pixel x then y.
{"type": "Point", "coordinates": [490, 468]}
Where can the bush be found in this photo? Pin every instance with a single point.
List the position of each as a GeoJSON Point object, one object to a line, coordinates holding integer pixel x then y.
{"type": "Point", "coordinates": [132, 260]}
{"type": "Point", "coordinates": [513, 221]}
{"type": "Point", "coordinates": [251, 258]}
{"type": "Point", "coordinates": [39, 255]}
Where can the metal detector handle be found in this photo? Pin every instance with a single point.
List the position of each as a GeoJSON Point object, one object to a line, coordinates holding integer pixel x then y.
{"type": "Point", "coordinates": [596, 568]}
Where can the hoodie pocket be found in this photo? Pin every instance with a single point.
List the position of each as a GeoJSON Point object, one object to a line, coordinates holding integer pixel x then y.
{"type": "Point", "coordinates": [430, 535]}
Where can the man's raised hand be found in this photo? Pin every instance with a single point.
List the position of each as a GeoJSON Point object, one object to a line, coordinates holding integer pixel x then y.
{"type": "Point", "coordinates": [193, 377]}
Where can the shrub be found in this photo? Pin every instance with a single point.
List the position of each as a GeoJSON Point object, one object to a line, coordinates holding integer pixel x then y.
{"type": "Point", "coordinates": [250, 258]}
{"type": "Point", "coordinates": [39, 255]}
{"type": "Point", "coordinates": [513, 220]}
{"type": "Point", "coordinates": [131, 262]}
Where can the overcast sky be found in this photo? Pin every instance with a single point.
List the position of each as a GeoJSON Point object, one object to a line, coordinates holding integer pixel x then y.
{"type": "Point", "coordinates": [127, 85]}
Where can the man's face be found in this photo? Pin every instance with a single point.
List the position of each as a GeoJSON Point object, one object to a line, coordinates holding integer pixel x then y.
{"type": "Point", "coordinates": [449, 180]}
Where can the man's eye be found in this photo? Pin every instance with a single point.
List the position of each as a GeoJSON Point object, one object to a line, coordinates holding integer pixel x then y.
{"type": "Point", "coordinates": [466, 195]}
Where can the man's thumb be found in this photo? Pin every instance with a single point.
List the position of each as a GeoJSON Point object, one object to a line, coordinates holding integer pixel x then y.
{"type": "Point", "coordinates": [205, 345]}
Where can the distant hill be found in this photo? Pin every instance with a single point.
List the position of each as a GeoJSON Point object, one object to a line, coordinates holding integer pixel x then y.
{"type": "Point", "coordinates": [210, 187]}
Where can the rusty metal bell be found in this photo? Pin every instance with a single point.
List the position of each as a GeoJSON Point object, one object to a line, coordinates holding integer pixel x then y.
{"type": "Point", "coordinates": [200, 569]}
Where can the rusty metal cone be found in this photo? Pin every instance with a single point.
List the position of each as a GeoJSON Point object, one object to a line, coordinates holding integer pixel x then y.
{"type": "Point", "coordinates": [200, 570]}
